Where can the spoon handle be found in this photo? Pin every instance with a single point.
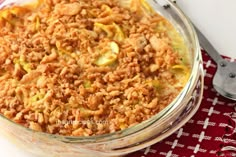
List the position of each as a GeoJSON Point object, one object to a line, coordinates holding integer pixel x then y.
{"type": "Point", "coordinates": [205, 43]}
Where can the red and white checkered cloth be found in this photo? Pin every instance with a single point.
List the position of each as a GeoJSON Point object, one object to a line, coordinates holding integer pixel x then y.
{"type": "Point", "coordinates": [208, 133]}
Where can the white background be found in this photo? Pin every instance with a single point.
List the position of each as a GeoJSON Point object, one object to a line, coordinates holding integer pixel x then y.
{"type": "Point", "coordinates": [215, 18]}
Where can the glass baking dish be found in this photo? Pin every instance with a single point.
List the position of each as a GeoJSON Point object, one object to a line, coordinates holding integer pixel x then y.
{"type": "Point", "coordinates": [120, 143]}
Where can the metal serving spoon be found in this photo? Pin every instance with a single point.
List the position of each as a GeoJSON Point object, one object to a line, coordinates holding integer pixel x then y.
{"type": "Point", "coordinates": [224, 80]}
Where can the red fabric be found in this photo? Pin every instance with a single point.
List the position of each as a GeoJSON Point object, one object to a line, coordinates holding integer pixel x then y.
{"type": "Point", "coordinates": [220, 131]}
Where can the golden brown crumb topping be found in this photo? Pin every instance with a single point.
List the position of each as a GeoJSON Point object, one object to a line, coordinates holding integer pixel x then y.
{"type": "Point", "coordinates": [87, 67]}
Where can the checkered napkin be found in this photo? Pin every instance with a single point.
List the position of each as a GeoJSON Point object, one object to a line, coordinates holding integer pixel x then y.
{"type": "Point", "coordinates": [210, 133]}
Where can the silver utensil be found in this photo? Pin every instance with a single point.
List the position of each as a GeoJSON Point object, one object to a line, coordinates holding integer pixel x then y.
{"type": "Point", "coordinates": [224, 80]}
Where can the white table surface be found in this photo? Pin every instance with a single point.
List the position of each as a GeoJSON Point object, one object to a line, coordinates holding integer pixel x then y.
{"type": "Point", "coordinates": [215, 18]}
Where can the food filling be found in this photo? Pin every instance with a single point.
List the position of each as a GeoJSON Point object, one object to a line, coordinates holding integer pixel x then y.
{"type": "Point", "coordinates": [88, 67]}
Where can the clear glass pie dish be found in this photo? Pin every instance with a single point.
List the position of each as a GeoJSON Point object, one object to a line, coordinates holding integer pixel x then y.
{"type": "Point", "coordinates": [137, 137]}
